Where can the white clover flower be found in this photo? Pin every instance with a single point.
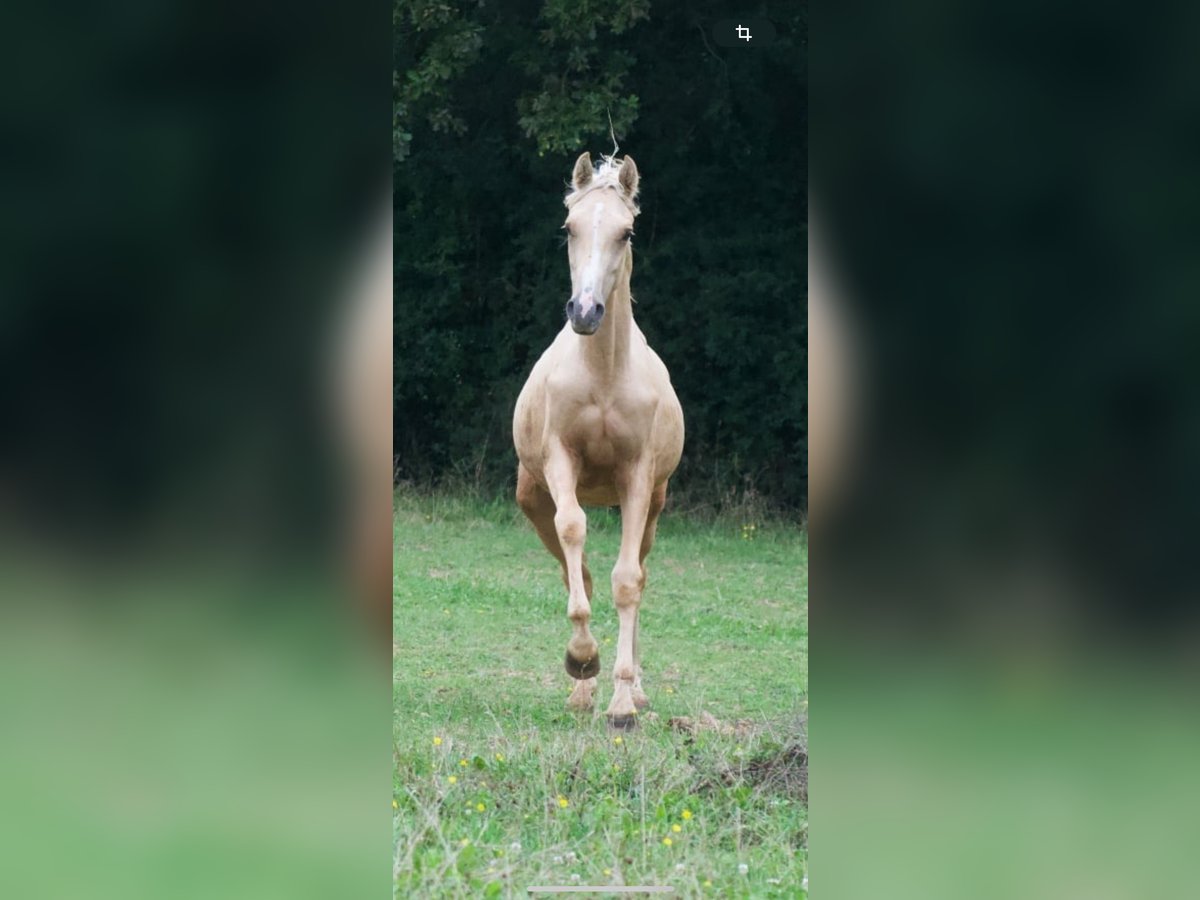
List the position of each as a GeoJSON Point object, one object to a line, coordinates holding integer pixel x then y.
{"type": "Point", "coordinates": [515, 847]}
{"type": "Point", "coordinates": [570, 856]}
{"type": "Point", "coordinates": [804, 883]}
{"type": "Point", "coordinates": [574, 878]}
{"type": "Point", "coordinates": [558, 860]}
{"type": "Point", "coordinates": [743, 868]}
{"type": "Point", "coordinates": [680, 867]}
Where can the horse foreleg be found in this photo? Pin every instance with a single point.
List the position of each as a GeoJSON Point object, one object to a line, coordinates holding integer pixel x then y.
{"type": "Point", "coordinates": [628, 579]}
{"type": "Point", "coordinates": [658, 499]}
{"type": "Point", "coordinates": [537, 504]}
{"type": "Point", "coordinates": [570, 524]}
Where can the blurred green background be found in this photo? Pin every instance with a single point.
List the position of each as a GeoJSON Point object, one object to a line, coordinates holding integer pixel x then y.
{"type": "Point", "coordinates": [189, 708]}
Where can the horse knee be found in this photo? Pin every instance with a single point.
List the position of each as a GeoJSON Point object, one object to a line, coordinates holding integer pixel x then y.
{"type": "Point", "coordinates": [571, 525]}
{"type": "Point", "coordinates": [627, 581]}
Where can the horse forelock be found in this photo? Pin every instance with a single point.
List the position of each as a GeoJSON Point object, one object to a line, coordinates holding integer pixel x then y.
{"type": "Point", "coordinates": [606, 175]}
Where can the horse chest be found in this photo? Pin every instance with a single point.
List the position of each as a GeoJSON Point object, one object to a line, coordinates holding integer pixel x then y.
{"type": "Point", "coordinates": [602, 435]}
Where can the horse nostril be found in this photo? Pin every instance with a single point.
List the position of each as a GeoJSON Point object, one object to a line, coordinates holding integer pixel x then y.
{"type": "Point", "coordinates": [599, 309]}
{"type": "Point", "coordinates": [570, 307]}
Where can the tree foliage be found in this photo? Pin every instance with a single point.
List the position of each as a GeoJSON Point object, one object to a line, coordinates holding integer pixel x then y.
{"type": "Point", "coordinates": [492, 102]}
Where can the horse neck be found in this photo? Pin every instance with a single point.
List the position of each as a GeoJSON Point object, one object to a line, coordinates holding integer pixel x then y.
{"type": "Point", "coordinates": [607, 350]}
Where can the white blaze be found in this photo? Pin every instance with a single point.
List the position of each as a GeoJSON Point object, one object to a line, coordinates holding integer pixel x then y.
{"type": "Point", "coordinates": [592, 273]}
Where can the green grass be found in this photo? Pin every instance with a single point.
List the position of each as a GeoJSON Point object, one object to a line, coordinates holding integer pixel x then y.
{"type": "Point", "coordinates": [540, 793]}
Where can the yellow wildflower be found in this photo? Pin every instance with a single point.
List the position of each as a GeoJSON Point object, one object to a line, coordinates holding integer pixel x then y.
{"type": "Point", "coordinates": [677, 828]}
{"type": "Point", "coordinates": [395, 805]}
{"type": "Point", "coordinates": [463, 763]}
{"type": "Point", "coordinates": [563, 801]}
{"type": "Point", "coordinates": [499, 757]}
{"type": "Point", "coordinates": [667, 841]}
{"type": "Point", "coordinates": [454, 779]}
{"type": "Point", "coordinates": [437, 742]}
{"type": "Point", "coordinates": [618, 740]}
{"type": "Point", "coordinates": [687, 814]}
{"type": "Point", "coordinates": [480, 807]}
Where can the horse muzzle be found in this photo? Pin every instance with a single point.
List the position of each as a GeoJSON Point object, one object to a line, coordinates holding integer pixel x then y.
{"type": "Point", "coordinates": [584, 319]}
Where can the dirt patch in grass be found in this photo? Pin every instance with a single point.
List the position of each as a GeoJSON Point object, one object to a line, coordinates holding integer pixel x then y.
{"type": "Point", "coordinates": [782, 772]}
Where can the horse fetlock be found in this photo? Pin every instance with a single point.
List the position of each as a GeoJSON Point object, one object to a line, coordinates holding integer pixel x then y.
{"type": "Point", "coordinates": [624, 672]}
{"type": "Point", "coordinates": [583, 646]}
{"type": "Point", "coordinates": [581, 699]}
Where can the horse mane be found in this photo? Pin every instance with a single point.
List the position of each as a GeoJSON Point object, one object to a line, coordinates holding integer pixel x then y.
{"type": "Point", "coordinates": [605, 175]}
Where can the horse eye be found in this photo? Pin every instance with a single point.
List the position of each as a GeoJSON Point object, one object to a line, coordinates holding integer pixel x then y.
{"type": "Point", "coordinates": [628, 235]}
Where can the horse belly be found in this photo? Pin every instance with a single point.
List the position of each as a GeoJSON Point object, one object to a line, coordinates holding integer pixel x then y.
{"type": "Point", "coordinates": [601, 492]}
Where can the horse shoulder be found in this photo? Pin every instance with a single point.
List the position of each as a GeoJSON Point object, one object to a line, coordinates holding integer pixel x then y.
{"type": "Point", "coordinates": [667, 428]}
{"type": "Point", "coordinates": [529, 414]}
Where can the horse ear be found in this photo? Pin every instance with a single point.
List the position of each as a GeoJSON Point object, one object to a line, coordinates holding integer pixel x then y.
{"type": "Point", "coordinates": [583, 171]}
{"type": "Point", "coordinates": [629, 176]}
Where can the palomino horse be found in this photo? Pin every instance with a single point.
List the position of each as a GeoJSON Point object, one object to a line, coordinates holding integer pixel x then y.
{"type": "Point", "coordinates": [598, 423]}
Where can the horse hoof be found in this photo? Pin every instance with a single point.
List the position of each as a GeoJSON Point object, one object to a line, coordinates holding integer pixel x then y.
{"type": "Point", "coordinates": [622, 723]}
{"type": "Point", "coordinates": [581, 670]}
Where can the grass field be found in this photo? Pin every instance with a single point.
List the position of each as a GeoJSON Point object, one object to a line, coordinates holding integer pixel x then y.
{"type": "Point", "coordinates": [497, 786]}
